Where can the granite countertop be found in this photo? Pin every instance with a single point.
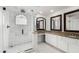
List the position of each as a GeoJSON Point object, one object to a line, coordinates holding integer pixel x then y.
{"type": "Point", "coordinates": [74, 35]}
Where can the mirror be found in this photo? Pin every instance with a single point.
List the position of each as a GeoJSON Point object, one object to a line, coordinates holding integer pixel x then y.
{"type": "Point", "coordinates": [56, 23]}
{"type": "Point", "coordinates": [21, 20]}
{"type": "Point", "coordinates": [71, 21]}
{"type": "Point", "coordinates": [37, 24]}
{"type": "Point", "coordinates": [40, 23]}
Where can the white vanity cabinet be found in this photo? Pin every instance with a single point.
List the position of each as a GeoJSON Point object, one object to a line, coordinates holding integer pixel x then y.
{"type": "Point", "coordinates": [66, 44]}
{"type": "Point", "coordinates": [51, 39]}
{"type": "Point", "coordinates": [54, 40]}
{"type": "Point", "coordinates": [57, 41]}
{"type": "Point", "coordinates": [63, 43]}
{"type": "Point", "coordinates": [73, 45]}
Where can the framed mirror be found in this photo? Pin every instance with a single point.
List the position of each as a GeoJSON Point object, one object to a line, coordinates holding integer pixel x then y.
{"type": "Point", "coordinates": [40, 23]}
{"type": "Point", "coordinates": [56, 23]}
{"type": "Point", "coordinates": [71, 21]}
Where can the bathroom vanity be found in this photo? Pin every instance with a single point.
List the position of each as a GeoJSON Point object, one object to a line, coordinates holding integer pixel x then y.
{"type": "Point", "coordinates": [67, 40]}
{"type": "Point", "coordinates": [63, 41]}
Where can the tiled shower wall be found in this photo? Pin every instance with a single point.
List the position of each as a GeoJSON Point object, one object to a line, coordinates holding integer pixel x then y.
{"type": "Point", "coordinates": [15, 33]}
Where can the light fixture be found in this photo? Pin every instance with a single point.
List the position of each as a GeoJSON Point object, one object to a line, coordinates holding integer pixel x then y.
{"type": "Point", "coordinates": [40, 12]}
{"type": "Point", "coordinates": [51, 11]}
{"type": "Point", "coordinates": [32, 10]}
{"type": "Point", "coordinates": [22, 10]}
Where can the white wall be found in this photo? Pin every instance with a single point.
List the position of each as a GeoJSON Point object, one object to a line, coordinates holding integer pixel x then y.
{"type": "Point", "coordinates": [58, 13]}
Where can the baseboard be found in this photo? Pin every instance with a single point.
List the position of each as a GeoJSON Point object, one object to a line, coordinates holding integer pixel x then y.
{"type": "Point", "coordinates": [26, 51]}
{"type": "Point", "coordinates": [55, 47]}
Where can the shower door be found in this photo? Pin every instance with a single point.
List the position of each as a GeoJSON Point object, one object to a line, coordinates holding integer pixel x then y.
{"type": "Point", "coordinates": [16, 37]}
{"type": "Point", "coordinates": [5, 30]}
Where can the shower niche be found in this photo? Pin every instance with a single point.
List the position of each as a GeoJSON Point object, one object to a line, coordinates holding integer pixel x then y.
{"type": "Point", "coordinates": [21, 20]}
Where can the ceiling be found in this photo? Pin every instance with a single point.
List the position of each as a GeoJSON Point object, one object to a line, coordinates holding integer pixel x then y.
{"type": "Point", "coordinates": [44, 10]}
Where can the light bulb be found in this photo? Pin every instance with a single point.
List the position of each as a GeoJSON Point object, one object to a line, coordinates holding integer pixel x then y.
{"type": "Point", "coordinates": [51, 10]}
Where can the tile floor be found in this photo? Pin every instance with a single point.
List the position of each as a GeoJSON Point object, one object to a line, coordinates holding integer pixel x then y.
{"type": "Point", "coordinates": [44, 48]}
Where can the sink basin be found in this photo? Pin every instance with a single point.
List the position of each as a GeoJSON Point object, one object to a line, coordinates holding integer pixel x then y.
{"type": "Point", "coordinates": [72, 36]}
{"type": "Point", "coordinates": [75, 37]}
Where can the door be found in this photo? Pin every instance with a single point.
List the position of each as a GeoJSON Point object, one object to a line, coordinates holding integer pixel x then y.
{"type": "Point", "coordinates": [1, 31]}
{"type": "Point", "coordinates": [5, 17]}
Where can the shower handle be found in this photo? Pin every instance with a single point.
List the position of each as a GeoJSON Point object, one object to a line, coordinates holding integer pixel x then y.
{"type": "Point", "coordinates": [8, 26]}
{"type": "Point", "coordinates": [22, 31]}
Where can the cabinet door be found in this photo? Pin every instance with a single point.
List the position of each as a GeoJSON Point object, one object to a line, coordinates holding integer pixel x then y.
{"type": "Point", "coordinates": [47, 38]}
{"type": "Point", "coordinates": [59, 42]}
{"type": "Point", "coordinates": [73, 46]}
{"type": "Point", "coordinates": [63, 44]}
{"type": "Point", "coordinates": [51, 39]}
{"type": "Point", "coordinates": [54, 40]}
